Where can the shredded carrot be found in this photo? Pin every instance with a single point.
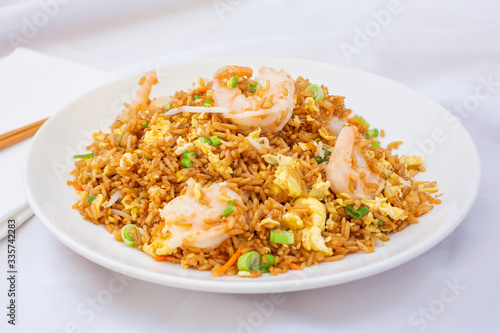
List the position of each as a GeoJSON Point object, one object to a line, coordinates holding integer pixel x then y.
{"type": "Point", "coordinates": [160, 258]}
{"type": "Point", "coordinates": [76, 186]}
{"type": "Point", "coordinates": [202, 89]}
{"type": "Point", "coordinates": [352, 121]}
{"type": "Point", "coordinates": [362, 128]}
{"type": "Point", "coordinates": [222, 269]}
{"type": "Point", "coordinates": [294, 267]}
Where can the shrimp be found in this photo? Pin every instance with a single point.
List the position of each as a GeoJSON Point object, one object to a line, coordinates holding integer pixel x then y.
{"type": "Point", "coordinates": [141, 99]}
{"type": "Point", "coordinates": [277, 87]}
{"type": "Point", "coordinates": [354, 179]}
{"type": "Point", "coordinates": [194, 218]}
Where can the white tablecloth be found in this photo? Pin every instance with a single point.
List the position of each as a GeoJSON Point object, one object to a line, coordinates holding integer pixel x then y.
{"type": "Point", "coordinates": [443, 49]}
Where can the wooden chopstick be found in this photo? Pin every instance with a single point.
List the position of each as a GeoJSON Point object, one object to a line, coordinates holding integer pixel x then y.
{"type": "Point", "coordinates": [17, 135]}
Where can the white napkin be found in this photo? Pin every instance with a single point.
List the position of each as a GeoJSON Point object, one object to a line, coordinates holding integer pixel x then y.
{"type": "Point", "coordinates": [33, 86]}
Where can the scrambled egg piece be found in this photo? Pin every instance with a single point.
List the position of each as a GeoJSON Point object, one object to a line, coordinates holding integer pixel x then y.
{"type": "Point", "coordinates": [159, 130]}
{"type": "Point", "coordinates": [269, 221]}
{"type": "Point", "coordinates": [371, 223]}
{"type": "Point", "coordinates": [287, 177]}
{"type": "Point", "coordinates": [292, 221]}
{"type": "Point", "coordinates": [119, 130]}
{"type": "Point", "coordinates": [381, 205]}
{"type": "Point", "coordinates": [214, 159]}
{"type": "Point", "coordinates": [182, 146]}
{"type": "Point", "coordinates": [219, 166]}
{"type": "Point", "coordinates": [319, 189]}
{"type": "Point", "coordinates": [303, 146]}
{"type": "Point", "coordinates": [385, 163]}
{"type": "Point", "coordinates": [413, 160]}
{"type": "Point", "coordinates": [100, 138]}
{"type": "Point", "coordinates": [325, 136]}
{"type": "Point", "coordinates": [330, 206]}
{"type": "Point", "coordinates": [108, 170]}
{"type": "Point", "coordinates": [401, 180]}
{"type": "Point", "coordinates": [204, 147]}
{"type": "Point", "coordinates": [131, 207]}
{"type": "Point", "coordinates": [97, 203]}
{"type": "Point", "coordinates": [181, 175]}
{"type": "Point", "coordinates": [373, 228]}
{"type": "Point", "coordinates": [392, 191]}
{"type": "Point", "coordinates": [310, 105]}
{"type": "Point", "coordinates": [312, 239]}
{"type": "Point", "coordinates": [317, 209]}
{"type": "Point", "coordinates": [255, 134]}
{"type": "Point", "coordinates": [158, 245]}
{"type": "Point", "coordinates": [128, 160]}
{"type": "Point", "coordinates": [422, 188]}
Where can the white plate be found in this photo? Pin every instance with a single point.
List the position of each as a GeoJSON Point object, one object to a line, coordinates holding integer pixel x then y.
{"type": "Point", "coordinates": [450, 157]}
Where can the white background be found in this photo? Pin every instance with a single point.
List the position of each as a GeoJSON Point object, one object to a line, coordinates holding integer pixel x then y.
{"type": "Point", "coordinates": [444, 50]}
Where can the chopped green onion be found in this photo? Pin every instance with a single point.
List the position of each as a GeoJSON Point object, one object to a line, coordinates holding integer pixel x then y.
{"type": "Point", "coordinates": [317, 139]}
{"type": "Point", "coordinates": [148, 158]}
{"type": "Point", "coordinates": [105, 204]}
{"type": "Point", "coordinates": [360, 120]}
{"type": "Point", "coordinates": [186, 161]}
{"type": "Point", "coordinates": [380, 223]}
{"type": "Point", "coordinates": [167, 106]}
{"type": "Point", "coordinates": [284, 237]}
{"type": "Point", "coordinates": [207, 103]}
{"type": "Point", "coordinates": [195, 97]}
{"type": "Point", "coordinates": [233, 81]}
{"type": "Point", "coordinates": [376, 144]}
{"type": "Point", "coordinates": [119, 138]}
{"type": "Point", "coordinates": [215, 140]}
{"type": "Point", "coordinates": [356, 214]}
{"type": "Point", "coordinates": [203, 139]}
{"type": "Point", "coordinates": [91, 198]}
{"type": "Point", "coordinates": [127, 237]}
{"type": "Point", "coordinates": [84, 156]}
{"type": "Point", "coordinates": [229, 207]}
{"type": "Point", "coordinates": [253, 87]}
{"type": "Point", "coordinates": [319, 94]}
{"type": "Point", "coordinates": [250, 261]}
{"type": "Point", "coordinates": [253, 261]}
{"type": "Point", "coordinates": [319, 160]}
{"type": "Point", "coordinates": [138, 199]}
{"type": "Point", "coordinates": [144, 124]}
{"type": "Point", "coordinates": [270, 262]}
{"type": "Point", "coordinates": [373, 133]}
{"type": "Point", "coordinates": [87, 180]}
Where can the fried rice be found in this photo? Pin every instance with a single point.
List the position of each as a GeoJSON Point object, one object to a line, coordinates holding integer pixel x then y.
{"type": "Point", "coordinates": [141, 173]}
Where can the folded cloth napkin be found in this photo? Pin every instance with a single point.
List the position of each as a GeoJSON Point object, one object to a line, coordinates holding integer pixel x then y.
{"type": "Point", "coordinates": [34, 86]}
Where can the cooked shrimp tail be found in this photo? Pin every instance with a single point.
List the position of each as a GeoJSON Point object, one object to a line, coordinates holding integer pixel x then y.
{"type": "Point", "coordinates": [141, 99]}
{"type": "Point", "coordinates": [145, 85]}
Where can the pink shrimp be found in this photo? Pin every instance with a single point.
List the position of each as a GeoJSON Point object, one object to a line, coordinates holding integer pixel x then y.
{"type": "Point", "coordinates": [341, 170]}
{"type": "Point", "coordinates": [141, 99]}
{"type": "Point", "coordinates": [276, 86]}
